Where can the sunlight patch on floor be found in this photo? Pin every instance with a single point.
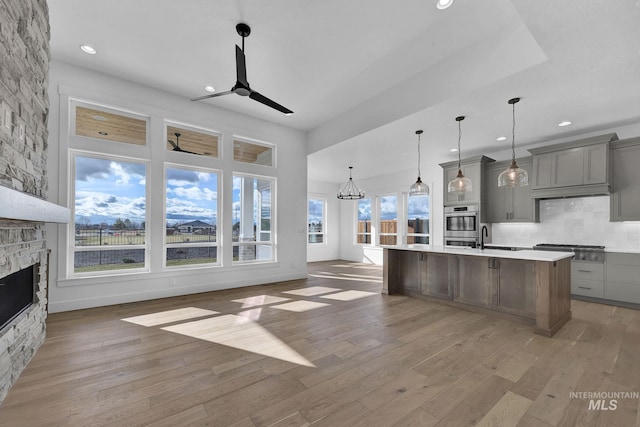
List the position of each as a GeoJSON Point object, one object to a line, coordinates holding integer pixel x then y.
{"type": "Point", "coordinates": [241, 333]}
{"type": "Point", "coordinates": [311, 291]}
{"type": "Point", "coordinates": [300, 306]}
{"type": "Point", "coordinates": [170, 316]}
{"type": "Point", "coordinates": [259, 300]}
{"type": "Point", "coordinates": [349, 295]}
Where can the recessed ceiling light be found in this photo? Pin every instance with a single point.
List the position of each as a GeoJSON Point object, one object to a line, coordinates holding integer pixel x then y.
{"type": "Point", "coordinates": [99, 118]}
{"type": "Point", "coordinates": [88, 49]}
{"type": "Point", "coordinates": [565, 123]}
{"type": "Point", "coordinates": [443, 4]}
{"type": "Point", "coordinates": [210, 88]}
{"type": "Point", "coordinates": [454, 150]}
{"type": "Point", "coordinates": [501, 138]}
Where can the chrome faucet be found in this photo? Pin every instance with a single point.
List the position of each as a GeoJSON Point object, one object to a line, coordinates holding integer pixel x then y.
{"type": "Point", "coordinates": [483, 232]}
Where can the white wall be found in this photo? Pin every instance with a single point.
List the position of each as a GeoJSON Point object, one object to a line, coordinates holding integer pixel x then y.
{"type": "Point", "coordinates": [330, 248]}
{"type": "Point", "coordinates": [582, 221]}
{"type": "Point", "coordinates": [68, 294]}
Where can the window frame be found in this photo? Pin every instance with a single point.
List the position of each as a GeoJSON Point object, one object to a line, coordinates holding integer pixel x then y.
{"type": "Point", "coordinates": [272, 224]}
{"type": "Point", "coordinates": [395, 234]}
{"type": "Point", "coordinates": [219, 220]}
{"type": "Point", "coordinates": [323, 232]}
{"type": "Point", "coordinates": [370, 234]}
{"type": "Point", "coordinates": [414, 235]}
{"type": "Point", "coordinates": [73, 249]}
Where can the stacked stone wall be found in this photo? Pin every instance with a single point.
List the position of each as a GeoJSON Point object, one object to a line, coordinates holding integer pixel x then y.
{"type": "Point", "coordinates": [24, 110]}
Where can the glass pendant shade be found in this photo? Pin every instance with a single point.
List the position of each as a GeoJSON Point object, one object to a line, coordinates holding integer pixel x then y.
{"type": "Point", "coordinates": [350, 191]}
{"type": "Point", "coordinates": [419, 188]}
{"type": "Point", "coordinates": [513, 176]}
{"type": "Point", "coordinates": [460, 184]}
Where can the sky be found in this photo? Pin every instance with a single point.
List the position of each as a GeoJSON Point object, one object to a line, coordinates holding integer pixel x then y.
{"type": "Point", "coordinates": [418, 208]}
{"type": "Point", "coordinates": [107, 190]}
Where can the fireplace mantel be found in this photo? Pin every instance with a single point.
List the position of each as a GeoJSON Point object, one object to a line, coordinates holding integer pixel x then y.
{"type": "Point", "coordinates": [21, 206]}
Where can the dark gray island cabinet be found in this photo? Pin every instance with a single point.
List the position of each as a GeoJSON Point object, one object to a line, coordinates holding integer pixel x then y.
{"type": "Point", "coordinates": [530, 286]}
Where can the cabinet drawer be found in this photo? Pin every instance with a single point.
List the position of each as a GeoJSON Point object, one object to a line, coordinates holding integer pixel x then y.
{"type": "Point", "coordinates": [587, 288]}
{"type": "Point", "coordinates": [627, 292]}
{"type": "Point", "coordinates": [587, 270]}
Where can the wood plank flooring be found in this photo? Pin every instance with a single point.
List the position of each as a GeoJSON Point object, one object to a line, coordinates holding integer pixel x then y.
{"type": "Point", "coordinates": [330, 350]}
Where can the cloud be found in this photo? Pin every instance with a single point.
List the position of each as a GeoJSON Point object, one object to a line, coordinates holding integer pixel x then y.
{"type": "Point", "coordinates": [89, 168]}
{"type": "Point", "coordinates": [108, 208]}
{"type": "Point", "coordinates": [193, 193]}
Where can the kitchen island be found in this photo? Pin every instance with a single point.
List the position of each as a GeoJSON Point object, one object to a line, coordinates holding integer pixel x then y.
{"type": "Point", "coordinates": [531, 286]}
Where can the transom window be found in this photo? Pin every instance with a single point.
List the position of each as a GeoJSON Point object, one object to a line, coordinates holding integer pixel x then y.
{"type": "Point", "coordinates": [186, 140]}
{"type": "Point", "coordinates": [252, 152]}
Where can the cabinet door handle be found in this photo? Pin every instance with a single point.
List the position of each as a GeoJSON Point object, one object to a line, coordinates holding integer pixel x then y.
{"type": "Point", "coordinates": [584, 287]}
{"type": "Point", "coordinates": [584, 271]}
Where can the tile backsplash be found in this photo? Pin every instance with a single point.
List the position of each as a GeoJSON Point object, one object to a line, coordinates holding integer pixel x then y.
{"type": "Point", "coordinates": [581, 220]}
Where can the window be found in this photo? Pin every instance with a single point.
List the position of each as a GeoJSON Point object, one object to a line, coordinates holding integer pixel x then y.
{"type": "Point", "coordinates": [110, 214]}
{"type": "Point", "coordinates": [389, 220]}
{"type": "Point", "coordinates": [316, 220]}
{"type": "Point", "coordinates": [251, 152]}
{"type": "Point", "coordinates": [110, 125]}
{"type": "Point", "coordinates": [252, 231]}
{"type": "Point", "coordinates": [418, 213]}
{"type": "Point", "coordinates": [182, 139]}
{"type": "Point", "coordinates": [191, 216]}
{"type": "Point", "coordinates": [363, 233]}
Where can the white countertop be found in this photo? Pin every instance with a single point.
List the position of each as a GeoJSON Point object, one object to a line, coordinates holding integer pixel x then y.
{"type": "Point", "coordinates": [528, 255]}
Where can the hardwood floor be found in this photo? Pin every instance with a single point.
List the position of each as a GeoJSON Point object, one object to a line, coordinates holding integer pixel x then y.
{"type": "Point", "coordinates": [330, 350]}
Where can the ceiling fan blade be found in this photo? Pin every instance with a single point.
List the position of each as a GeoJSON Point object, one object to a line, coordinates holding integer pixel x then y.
{"type": "Point", "coordinates": [177, 148]}
{"type": "Point", "coordinates": [241, 67]}
{"type": "Point", "coordinates": [256, 96]}
{"type": "Point", "coordinates": [212, 95]}
{"type": "Point", "coordinates": [173, 144]}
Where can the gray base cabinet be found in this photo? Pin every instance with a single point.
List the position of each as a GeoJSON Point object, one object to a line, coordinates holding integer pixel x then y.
{"type": "Point", "coordinates": [625, 198]}
{"type": "Point", "coordinates": [623, 277]}
{"type": "Point", "coordinates": [587, 279]}
{"type": "Point", "coordinates": [506, 204]}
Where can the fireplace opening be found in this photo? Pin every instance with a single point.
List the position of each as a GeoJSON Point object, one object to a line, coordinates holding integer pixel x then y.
{"type": "Point", "coordinates": [17, 293]}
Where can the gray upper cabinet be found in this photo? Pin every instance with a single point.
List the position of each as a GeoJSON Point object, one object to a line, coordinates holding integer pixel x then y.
{"type": "Point", "coordinates": [625, 196]}
{"type": "Point", "coordinates": [506, 204]}
{"type": "Point", "coordinates": [472, 168]}
{"type": "Point", "coordinates": [578, 168]}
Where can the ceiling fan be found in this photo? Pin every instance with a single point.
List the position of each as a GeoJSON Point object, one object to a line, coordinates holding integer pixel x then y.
{"type": "Point", "coordinates": [176, 145]}
{"type": "Point", "coordinates": [242, 85]}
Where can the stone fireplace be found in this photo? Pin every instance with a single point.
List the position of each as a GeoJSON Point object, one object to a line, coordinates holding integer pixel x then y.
{"type": "Point", "coordinates": [24, 109]}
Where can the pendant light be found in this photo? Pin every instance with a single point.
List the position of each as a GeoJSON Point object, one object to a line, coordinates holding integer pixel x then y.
{"type": "Point", "coordinates": [461, 184]}
{"type": "Point", "coordinates": [513, 176]}
{"type": "Point", "coordinates": [419, 188]}
{"type": "Point", "coordinates": [350, 191]}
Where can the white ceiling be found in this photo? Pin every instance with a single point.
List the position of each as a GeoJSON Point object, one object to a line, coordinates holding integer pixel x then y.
{"type": "Point", "coordinates": [363, 75]}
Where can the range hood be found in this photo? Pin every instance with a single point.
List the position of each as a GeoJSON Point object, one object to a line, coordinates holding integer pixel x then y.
{"type": "Point", "coordinates": [20, 206]}
{"type": "Point", "coordinates": [573, 169]}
